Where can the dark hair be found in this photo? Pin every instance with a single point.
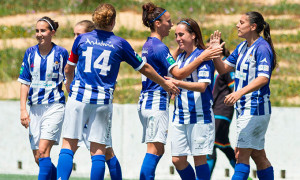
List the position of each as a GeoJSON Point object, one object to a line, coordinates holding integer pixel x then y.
{"type": "Point", "coordinates": [225, 51]}
{"type": "Point", "coordinates": [193, 27]}
{"type": "Point", "coordinates": [104, 15]}
{"type": "Point", "coordinates": [150, 13]}
{"type": "Point", "coordinates": [88, 25]}
{"type": "Point", "coordinates": [51, 23]}
{"type": "Point", "coordinates": [257, 18]}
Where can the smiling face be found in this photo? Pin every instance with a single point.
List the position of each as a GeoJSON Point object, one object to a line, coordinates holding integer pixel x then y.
{"type": "Point", "coordinates": [185, 40]}
{"type": "Point", "coordinates": [43, 33]}
{"type": "Point", "coordinates": [165, 24]}
{"type": "Point", "coordinates": [79, 29]}
{"type": "Point", "coordinates": [244, 27]}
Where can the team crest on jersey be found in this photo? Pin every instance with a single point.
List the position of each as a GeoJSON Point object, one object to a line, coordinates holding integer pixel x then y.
{"type": "Point", "coordinates": [138, 57]}
{"type": "Point", "coordinates": [56, 65]}
{"type": "Point", "coordinates": [170, 59]}
{"type": "Point", "coordinates": [32, 65]}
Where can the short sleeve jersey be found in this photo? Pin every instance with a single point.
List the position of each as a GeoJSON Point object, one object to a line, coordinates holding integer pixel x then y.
{"type": "Point", "coordinates": [44, 75]}
{"type": "Point", "coordinates": [249, 63]}
{"type": "Point", "coordinates": [157, 54]}
{"type": "Point", "coordinates": [98, 55]}
{"type": "Point", "coordinates": [191, 106]}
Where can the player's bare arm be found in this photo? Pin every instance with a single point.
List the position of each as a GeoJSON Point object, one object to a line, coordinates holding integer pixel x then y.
{"type": "Point", "coordinates": [69, 72]}
{"type": "Point", "coordinates": [167, 85]}
{"type": "Point", "coordinates": [24, 116]}
{"type": "Point", "coordinates": [256, 84]}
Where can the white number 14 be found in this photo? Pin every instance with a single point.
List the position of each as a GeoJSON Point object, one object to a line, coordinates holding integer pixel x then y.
{"type": "Point", "coordinates": [104, 57]}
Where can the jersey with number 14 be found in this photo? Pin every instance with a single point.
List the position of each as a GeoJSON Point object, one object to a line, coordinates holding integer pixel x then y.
{"type": "Point", "coordinates": [98, 55]}
{"type": "Point", "coordinates": [157, 54]}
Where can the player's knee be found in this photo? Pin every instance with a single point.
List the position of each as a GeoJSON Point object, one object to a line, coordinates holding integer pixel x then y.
{"type": "Point", "coordinates": [36, 159]}
{"type": "Point", "coordinates": [43, 153]}
{"type": "Point", "coordinates": [177, 161]}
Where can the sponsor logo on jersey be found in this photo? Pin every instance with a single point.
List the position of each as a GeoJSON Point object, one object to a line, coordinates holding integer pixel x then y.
{"type": "Point", "coordinates": [204, 74]}
{"type": "Point", "coordinates": [170, 59]}
{"type": "Point", "coordinates": [240, 75]}
{"type": "Point", "coordinates": [263, 68]}
{"type": "Point", "coordinates": [138, 57]}
{"type": "Point", "coordinates": [99, 43]}
{"type": "Point", "coordinates": [32, 65]}
{"type": "Point", "coordinates": [22, 69]}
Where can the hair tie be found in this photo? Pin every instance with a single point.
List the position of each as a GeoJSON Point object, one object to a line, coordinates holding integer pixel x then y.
{"type": "Point", "coordinates": [185, 23]}
{"type": "Point", "coordinates": [48, 23]}
{"type": "Point", "coordinates": [158, 16]}
{"type": "Point", "coordinates": [265, 23]}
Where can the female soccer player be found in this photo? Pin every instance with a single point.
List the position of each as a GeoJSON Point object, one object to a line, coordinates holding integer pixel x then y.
{"type": "Point", "coordinates": [193, 128]}
{"type": "Point", "coordinates": [41, 77]}
{"type": "Point", "coordinates": [253, 60]}
{"type": "Point", "coordinates": [110, 158]}
{"type": "Point", "coordinates": [223, 85]}
{"type": "Point", "coordinates": [154, 101]}
{"type": "Point", "coordinates": [97, 55]}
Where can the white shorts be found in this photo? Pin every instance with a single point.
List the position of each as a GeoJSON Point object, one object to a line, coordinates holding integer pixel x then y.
{"type": "Point", "coordinates": [251, 131]}
{"type": "Point", "coordinates": [96, 117]}
{"type": "Point", "coordinates": [45, 123]}
{"type": "Point", "coordinates": [84, 141]}
{"type": "Point", "coordinates": [155, 125]}
{"type": "Point", "coordinates": [192, 139]}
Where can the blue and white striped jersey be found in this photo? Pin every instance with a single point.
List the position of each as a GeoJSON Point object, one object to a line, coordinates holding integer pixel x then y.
{"type": "Point", "coordinates": [191, 106]}
{"type": "Point", "coordinates": [251, 62]}
{"type": "Point", "coordinates": [45, 75]}
{"type": "Point", "coordinates": [98, 55]}
{"type": "Point", "coordinates": [157, 54]}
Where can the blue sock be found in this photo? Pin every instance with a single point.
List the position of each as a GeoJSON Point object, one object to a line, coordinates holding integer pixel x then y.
{"type": "Point", "coordinates": [114, 168]}
{"type": "Point", "coordinates": [53, 172]}
{"type": "Point", "coordinates": [241, 172]}
{"type": "Point", "coordinates": [45, 165]}
{"type": "Point", "coordinates": [202, 172]}
{"type": "Point", "coordinates": [98, 167]}
{"type": "Point", "coordinates": [148, 167]}
{"type": "Point", "coordinates": [266, 174]}
{"type": "Point", "coordinates": [187, 174]}
{"type": "Point", "coordinates": [65, 164]}
{"type": "Point", "coordinates": [210, 163]}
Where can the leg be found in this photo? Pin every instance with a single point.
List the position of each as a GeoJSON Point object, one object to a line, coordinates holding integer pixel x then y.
{"type": "Point", "coordinates": [202, 168]}
{"type": "Point", "coordinates": [264, 168]}
{"type": "Point", "coordinates": [113, 164]}
{"type": "Point", "coordinates": [36, 156]}
{"type": "Point", "coordinates": [98, 160]}
{"type": "Point", "coordinates": [211, 160]}
{"type": "Point", "coordinates": [155, 150]}
{"type": "Point", "coordinates": [65, 161]}
{"type": "Point", "coordinates": [183, 168]}
{"type": "Point", "coordinates": [229, 152]}
{"type": "Point", "coordinates": [242, 168]}
{"type": "Point", "coordinates": [44, 160]}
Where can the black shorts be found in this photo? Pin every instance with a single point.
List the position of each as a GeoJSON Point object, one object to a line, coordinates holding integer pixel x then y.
{"type": "Point", "coordinates": [222, 131]}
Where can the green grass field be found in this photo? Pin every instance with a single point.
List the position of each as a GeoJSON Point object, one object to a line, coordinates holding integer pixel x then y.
{"type": "Point", "coordinates": [30, 177]}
